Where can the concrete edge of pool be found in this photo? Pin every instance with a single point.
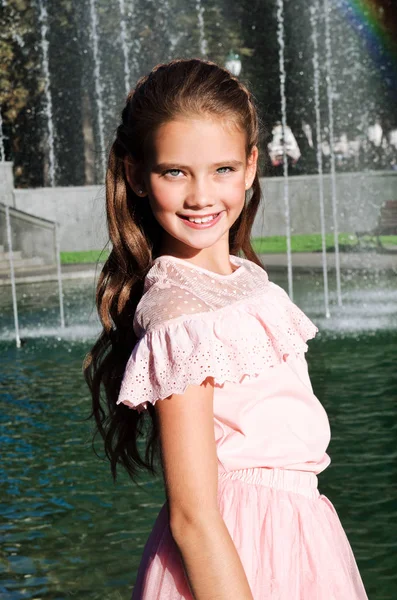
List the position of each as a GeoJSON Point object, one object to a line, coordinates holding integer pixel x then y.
{"type": "Point", "coordinates": [302, 261]}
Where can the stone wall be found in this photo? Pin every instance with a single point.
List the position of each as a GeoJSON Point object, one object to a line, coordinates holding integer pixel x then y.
{"type": "Point", "coordinates": [359, 198]}
{"type": "Point", "coordinates": [80, 211]}
{"type": "Point", "coordinates": [34, 237]}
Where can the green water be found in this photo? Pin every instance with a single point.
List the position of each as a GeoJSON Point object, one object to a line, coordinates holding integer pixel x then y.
{"type": "Point", "coordinates": [68, 532]}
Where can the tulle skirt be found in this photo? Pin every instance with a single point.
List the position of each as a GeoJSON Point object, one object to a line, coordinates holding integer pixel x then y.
{"type": "Point", "coordinates": [289, 537]}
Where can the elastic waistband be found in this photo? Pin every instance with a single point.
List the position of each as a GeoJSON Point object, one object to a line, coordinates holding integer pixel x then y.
{"type": "Point", "coordinates": [300, 482]}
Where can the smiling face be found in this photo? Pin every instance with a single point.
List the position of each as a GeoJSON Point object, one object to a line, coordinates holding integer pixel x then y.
{"type": "Point", "coordinates": [198, 168]}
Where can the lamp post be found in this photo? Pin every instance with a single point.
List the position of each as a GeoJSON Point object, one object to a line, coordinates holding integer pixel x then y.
{"type": "Point", "coordinates": [233, 63]}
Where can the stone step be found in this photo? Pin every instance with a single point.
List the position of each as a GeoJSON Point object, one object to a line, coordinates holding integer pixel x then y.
{"type": "Point", "coordinates": [17, 255]}
{"type": "Point", "coordinates": [22, 264]}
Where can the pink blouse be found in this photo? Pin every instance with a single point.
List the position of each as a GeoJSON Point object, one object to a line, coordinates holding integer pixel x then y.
{"type": "Point", "coordinates": [244, 332]}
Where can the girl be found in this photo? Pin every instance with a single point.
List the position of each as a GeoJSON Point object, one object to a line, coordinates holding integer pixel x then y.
{"type": "Point", "coordinates": [203, 357]}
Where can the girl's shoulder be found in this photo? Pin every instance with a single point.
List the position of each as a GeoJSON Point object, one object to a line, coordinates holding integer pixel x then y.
{"type": "Point", "coordinates": [175, 288]}
{"type": "Point", "coordinates": [193, 324]}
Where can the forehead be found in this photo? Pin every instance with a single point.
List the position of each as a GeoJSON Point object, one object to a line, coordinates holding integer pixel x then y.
{"type": "Point", "coordinates": [198, 139]}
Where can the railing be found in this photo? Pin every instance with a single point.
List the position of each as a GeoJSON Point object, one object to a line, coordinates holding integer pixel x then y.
{"type": "Point", "coordinates": [28, 243]}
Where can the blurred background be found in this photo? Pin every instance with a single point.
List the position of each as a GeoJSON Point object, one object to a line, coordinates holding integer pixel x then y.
{"type": "Point", "coordinates": [324, 76]}
{"type": "Point", "coordinates": [89, 54]}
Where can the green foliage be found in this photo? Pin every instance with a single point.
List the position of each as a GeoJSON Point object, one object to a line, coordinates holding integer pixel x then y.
{"type": "Point", "coordinates": [19, 61]}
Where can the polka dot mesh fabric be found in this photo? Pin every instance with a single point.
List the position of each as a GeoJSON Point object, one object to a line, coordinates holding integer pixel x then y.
{"type": "Point", "coordinates": [193, 324]}
{"type": "Point", "coordinates": [173, 288]}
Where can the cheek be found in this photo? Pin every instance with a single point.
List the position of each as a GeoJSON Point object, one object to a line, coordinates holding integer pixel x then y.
{"type": "Point", "coordinates": [163, 196]}
{"type": "Point", "coordinates": [235, 193]}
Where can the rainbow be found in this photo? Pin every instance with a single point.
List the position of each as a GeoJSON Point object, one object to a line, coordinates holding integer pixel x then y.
{"type": "Point", "coordinates": [375, 22]}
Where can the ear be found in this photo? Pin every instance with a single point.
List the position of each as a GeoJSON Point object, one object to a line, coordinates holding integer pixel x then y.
{"type": "Point", "coordinates": [134, 176]}
{"type": "Point", "coordinates": [251, 168]}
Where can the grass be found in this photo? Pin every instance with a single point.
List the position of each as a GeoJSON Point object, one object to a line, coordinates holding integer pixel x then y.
{"type": "Point", "coordinates": [313, 243]}
{"type": "Point", "coordinates": [269, 245]}
{"type": "Point", "coordinates": [84, 256]}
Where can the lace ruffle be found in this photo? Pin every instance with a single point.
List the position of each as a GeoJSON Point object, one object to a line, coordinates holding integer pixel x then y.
{"type": "Point", "coordinates": [227, 345]}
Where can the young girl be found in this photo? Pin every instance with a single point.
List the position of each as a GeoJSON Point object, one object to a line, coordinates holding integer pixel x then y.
{"type": "Point", "coordinates": [202, 358]}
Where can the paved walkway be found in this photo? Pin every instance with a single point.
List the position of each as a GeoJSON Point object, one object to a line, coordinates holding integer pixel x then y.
{"type": "Point", "coordinates": [302, 261]}
{"type": "Point", "coordinates": [78, 271]}
{"type": "Point", "coordinates": [312, 261]}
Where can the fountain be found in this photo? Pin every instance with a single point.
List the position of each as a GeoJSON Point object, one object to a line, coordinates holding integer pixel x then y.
{"type": "Point", "coordinates": [131, 45]}
{"type": "Point", "coordinates": [314, 14]}
{"type": "Point", "coordinates": [200, 22]}
{"type": "Point", "coordinates": [47, 91]}
{"type": "Point", "coordinates": [281, 43]}
{"type": "Point", "coordinates": [328, 63]}
{"type": "Point", "coordinates": [124, 45]}
{"type": "Point", "coordinates": [43, 18]}
{"type": "Point", "coordinates": [98, 86]}
{"type": "Point", "coordinates": [13, 288]}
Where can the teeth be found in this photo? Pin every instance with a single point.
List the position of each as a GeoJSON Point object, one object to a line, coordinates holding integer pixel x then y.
{"type": "Point", "coordinates": [203, 220]}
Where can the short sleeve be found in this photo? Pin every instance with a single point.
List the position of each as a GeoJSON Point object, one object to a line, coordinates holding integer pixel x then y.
{"type": "Point", "coordinates": [227, 344]}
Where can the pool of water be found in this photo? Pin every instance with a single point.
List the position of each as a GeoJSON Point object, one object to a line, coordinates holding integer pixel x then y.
{"type": "Point", "coordinates": [68, 531]}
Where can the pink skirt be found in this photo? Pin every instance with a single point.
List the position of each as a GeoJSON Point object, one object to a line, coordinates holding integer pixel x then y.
{"type": "Point", "coordinates": [289, 537]}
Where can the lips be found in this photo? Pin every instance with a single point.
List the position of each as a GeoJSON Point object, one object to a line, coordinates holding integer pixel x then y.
{"type": "Point", "coordinates": [205, 225]}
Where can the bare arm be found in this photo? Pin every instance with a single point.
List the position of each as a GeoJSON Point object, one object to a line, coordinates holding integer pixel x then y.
{"type": "Point", "coordinates": [212, 564]}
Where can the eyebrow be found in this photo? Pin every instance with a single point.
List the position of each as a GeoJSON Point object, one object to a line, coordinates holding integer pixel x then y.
{"type": "Point", "coordinates": [166, 166]}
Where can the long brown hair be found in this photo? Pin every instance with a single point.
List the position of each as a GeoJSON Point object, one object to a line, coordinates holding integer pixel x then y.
{"type": "Point", "coordinates": [180, 88]}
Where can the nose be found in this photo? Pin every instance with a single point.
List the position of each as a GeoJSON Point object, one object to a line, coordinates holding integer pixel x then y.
{"type": "Point", "coordinates": [200, 193]}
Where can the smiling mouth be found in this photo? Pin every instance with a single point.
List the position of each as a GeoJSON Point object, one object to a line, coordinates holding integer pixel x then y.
{"type": "Point", "coordinates": [201, 218]}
